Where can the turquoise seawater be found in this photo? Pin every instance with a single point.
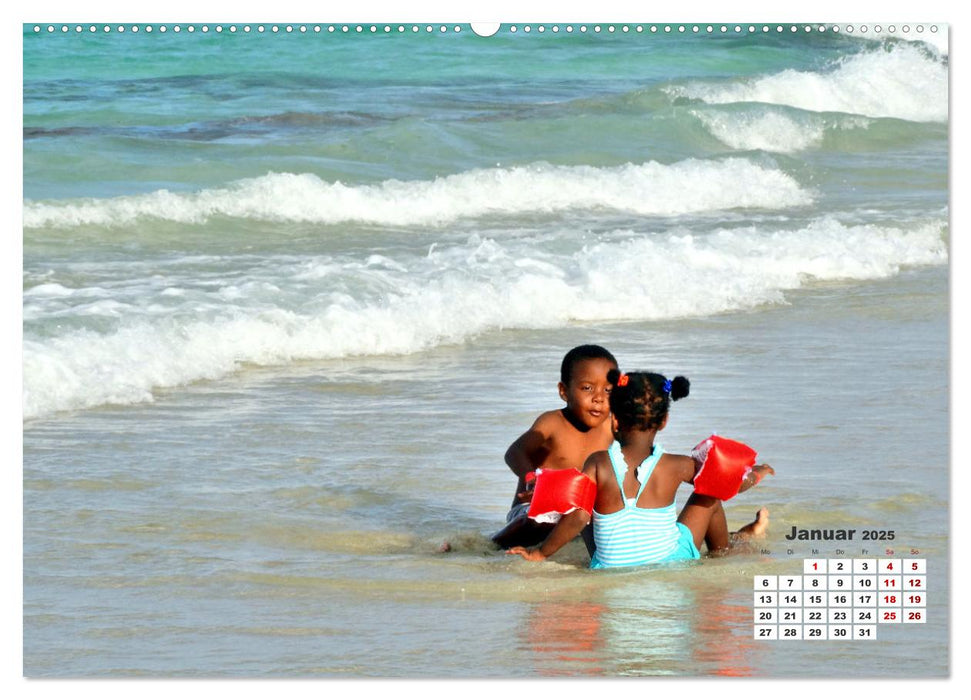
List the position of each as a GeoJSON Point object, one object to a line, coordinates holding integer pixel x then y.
{"type": "Point", "coordinates": [288, 297]}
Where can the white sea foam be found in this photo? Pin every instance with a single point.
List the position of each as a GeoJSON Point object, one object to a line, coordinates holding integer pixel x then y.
{"type": "Point", "coordinates": [895, 80]}
{"type": "Point", "coordinates": [772, 130]}
{"type": "Point", "coordinates": [453, 293]}
{"type": "Point", "coordinates": [649, 188]}
{"type": "Point", "coordinates": [51, 289]}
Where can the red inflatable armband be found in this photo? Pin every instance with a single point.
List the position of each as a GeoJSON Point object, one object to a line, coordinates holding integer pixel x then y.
{"type": "Point", "coordinates": [724, 464]}
{"type": "Point", "coordinates": [560, 491]}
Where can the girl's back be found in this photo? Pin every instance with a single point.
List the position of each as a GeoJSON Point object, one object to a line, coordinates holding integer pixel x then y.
{"type": "Point", "coordinates": [640, 526]}
{"type": "Point", "coordinates": [669, 472]}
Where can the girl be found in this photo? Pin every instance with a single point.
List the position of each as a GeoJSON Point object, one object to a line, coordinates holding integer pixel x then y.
{"type": "Point", "coordinates": [634, 519]}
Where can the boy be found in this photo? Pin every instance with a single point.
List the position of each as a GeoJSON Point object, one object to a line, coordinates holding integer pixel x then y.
{"type": "Point", "coordinates": [561, 439]}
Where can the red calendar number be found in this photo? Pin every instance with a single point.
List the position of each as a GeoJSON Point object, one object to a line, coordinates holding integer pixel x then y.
{"type": "Point", "coordinates": [890, 616]}
{"type": "Point", "coordinates": [915, 583]}
{"type": "Point", "coordinates": [913, 616]}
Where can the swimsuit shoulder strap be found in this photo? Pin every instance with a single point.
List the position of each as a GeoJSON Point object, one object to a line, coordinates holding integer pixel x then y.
{"type": "Point", "coordinates": [619, 464]}
{"type": "Point", "coordinates": [645, 469]}
{"type": "Point", "coordinates": [647, 466]}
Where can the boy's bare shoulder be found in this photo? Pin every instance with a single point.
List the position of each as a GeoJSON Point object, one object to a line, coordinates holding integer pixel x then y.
{"type": "Point", "coordinates": [549, 421]}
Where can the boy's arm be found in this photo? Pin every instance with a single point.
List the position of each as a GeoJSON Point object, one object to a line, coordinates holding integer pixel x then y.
{"type": "Point", "coordinates": [569, 526]}
{"type": "Point", "coordinates": [531, 448]}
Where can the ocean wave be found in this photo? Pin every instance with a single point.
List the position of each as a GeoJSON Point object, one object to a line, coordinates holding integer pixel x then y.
{"type": "Point", "coordinates": [214, 130]}
{"type": "Point", "coordinates": [933, 37]}
{"type": "Point", "coordinates": [772, 129]}
{"type": "Point", "coordinates": [448, 296]}
{"type": "Point", "coordinates": [898, 80]}
{"type": "Point", "coordinates": [651, 188]}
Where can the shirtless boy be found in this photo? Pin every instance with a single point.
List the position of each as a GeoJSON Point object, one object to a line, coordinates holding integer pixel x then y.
{"type": "Point", "coordinates": [561, 439]}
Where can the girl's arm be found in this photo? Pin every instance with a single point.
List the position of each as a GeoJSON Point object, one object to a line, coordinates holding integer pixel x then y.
{"type": "Point", "coordinates": [755, 476]}
{"type": "Point", "coordinates": [689, 469]}
{"type": "Point", "coordinates": [569, 526]}
{"type": "Point", "coordinates": [686, 468]}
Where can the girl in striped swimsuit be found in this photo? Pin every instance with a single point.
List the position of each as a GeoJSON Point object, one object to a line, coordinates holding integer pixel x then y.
{"type": "Point", "coordinates": [634, 517]}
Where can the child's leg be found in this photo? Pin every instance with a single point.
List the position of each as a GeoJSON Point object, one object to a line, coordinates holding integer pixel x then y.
{"type": "Point", "coordinates": [705, 517]}
{"type": "Point", "coordinates": [522, 532]}
{"type": "Point", "coordinates": [587, 534]}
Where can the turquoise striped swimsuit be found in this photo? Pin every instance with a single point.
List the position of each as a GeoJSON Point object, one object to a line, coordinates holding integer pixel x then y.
{"type": "Point", "coordinates": [634, 536]}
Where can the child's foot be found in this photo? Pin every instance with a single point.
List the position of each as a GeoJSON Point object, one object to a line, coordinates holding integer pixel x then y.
{"type": "Point", "coordinates": [755, 530]}
{"type": "Point", "coordinates": [761, 524]}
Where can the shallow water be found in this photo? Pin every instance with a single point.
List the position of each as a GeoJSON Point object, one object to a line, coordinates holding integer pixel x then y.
{"type": "Point", "coordinates": [287, 521]}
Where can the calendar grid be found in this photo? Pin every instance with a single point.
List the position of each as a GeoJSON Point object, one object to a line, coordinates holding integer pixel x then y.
{"type": "Point", "coordinates": [840, 599]}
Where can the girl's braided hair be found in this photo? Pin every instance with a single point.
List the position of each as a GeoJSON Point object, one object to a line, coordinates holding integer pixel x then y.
{"type": "Point", "coordinates": [640, 400]}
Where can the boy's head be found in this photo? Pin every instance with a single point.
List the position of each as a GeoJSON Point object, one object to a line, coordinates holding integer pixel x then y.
{"type": "Point", "coordinates": [583, 383]}
{"type": "Point", "coordinates": [579, 354]}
